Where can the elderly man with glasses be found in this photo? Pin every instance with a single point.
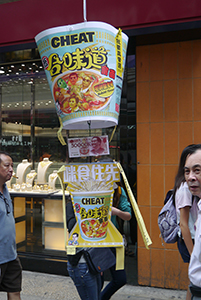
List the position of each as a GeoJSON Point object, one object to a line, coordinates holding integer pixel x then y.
{"type": "Point", "coordinates": [10, 267]}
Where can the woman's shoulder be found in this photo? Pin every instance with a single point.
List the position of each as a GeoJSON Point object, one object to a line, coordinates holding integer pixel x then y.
{"type": "Point", "coordinates": [123, 191]}
{"type": "Point", "coordinates": [183, 189]}
{"type": "Point", "coordinates": [124, 203]}
{"type": "Point", "coordinates": [183, 196]}
{"type": "Point", "coordinates": [123, 195]}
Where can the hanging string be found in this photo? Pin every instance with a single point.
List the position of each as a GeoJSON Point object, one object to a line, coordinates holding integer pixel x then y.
{"type": "Point", "coordinates": [84, 11]}
{"type": "Point", "coordinates": [89, 124]}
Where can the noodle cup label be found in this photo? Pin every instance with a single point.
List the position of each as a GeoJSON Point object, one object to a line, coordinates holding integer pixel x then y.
{"type": "Point", "coordinates": [84, 65]}
{"type": "Point", "coordinates": [93, 211]}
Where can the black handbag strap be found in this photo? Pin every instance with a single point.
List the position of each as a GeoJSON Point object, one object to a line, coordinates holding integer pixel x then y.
{"type": "Point", "coordinates": [74, 259]}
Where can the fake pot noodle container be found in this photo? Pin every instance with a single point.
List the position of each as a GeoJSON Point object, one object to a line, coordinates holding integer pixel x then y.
{"type": "Point", "coordinates": [93, 210]}
{"type": "Point", "coordinates": [84, 65]}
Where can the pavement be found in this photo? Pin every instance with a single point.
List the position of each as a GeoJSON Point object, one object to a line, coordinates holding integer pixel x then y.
{"type": "Point", "coordinates": [40, 286]}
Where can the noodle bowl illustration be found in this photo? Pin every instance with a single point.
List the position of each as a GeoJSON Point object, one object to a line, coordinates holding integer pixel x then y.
{"type": "Point", "coordinates": [92, 228]}
{"type": "Point", "coordinates": [90, 91]}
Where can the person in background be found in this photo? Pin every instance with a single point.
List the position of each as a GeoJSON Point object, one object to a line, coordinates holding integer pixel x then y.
{"type": "Point", "coordinates": [192, 173]}
{"type": "Point", "coordinates": [186, 209]}
{"type": "Point", "coordinates": [10, 267]}
{"type": "Point", "coordinates": [121, 210]}
{"type": "Point", "coordinates": [88, 285]}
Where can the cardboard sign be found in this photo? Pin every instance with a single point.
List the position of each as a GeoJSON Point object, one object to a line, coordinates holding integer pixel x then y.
{"type": "Point", "coordinates": [100, 172]}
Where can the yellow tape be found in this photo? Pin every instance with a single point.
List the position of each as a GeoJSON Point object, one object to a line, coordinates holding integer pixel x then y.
{"type": "Point", "coordinates": [60, 176]}
{"type": "Point", "coordinates": [140, 221]}
{"type": "Point", "coordinates": [119, 56]}
{"type": "Point", "coordinates": [59, 134]}
{"type": "Point", "coordinates": [113, 132]}
{"type": "Point", "coordinates": [120, 258]}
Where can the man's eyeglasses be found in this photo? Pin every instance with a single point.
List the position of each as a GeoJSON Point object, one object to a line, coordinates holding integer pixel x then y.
{"type": "Point", "coordinates": [7, 205]}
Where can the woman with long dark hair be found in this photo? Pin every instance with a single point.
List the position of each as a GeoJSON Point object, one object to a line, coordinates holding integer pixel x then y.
{"type": "Point", "coordinates": [186, 207]}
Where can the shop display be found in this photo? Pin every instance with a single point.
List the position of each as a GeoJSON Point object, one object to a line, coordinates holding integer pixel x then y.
{"type": "Point", "coordinates": [23, 187]}
{"type": "Point", "coordinates": [42, 170]}
{"type": "Point", "coordinates": [36, 188]}
{"type": "Point", "coordinates": [29, 187]}
{"type": "Point", "coordinates": [16, 187]}
{"type": "Point", "coordinates": [9, 182]}
{"type": "Point", "coordinates": [52, 180]}
{"type": "Point", "coordinates": [41, 186]}
{"type": "Point", "coordinates": [30, 178]}
{"type": "Point", "coordinates": [22, 168]}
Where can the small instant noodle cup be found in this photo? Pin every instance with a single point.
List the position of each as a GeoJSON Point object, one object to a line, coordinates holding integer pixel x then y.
{"type": "Point", "coordinates": [84, 65]}
{"type": "Point", "coordinates": [93, 211]}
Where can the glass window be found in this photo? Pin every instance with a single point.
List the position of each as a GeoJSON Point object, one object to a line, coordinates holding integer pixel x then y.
{"type": "Point", "coordinates": [16, 102]}
{"type": "Point", "coordinates": [29, 126]}
{"type": "Point", "coordinates": [29, 117]}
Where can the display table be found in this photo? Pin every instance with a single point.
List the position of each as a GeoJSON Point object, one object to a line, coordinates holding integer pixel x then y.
{"type": "Point", "coordinates": [32, 194]}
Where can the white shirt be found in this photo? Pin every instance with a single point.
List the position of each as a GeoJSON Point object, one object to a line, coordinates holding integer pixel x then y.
{"type": "Point", "coordinates": [194, 271]}
{"type": "Point", "coordinates": [183, 198]}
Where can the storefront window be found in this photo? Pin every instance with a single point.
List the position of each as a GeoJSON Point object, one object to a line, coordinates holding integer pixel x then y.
{"type": "Point", "coordinates": [29, 117]}
{"type": "Point", "coordinates": [29, 126]}
{"type": "Point", "coordinates": [16, 101]}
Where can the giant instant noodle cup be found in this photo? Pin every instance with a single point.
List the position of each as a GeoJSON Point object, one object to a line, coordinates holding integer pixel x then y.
{"type": "Point", "coordinates": [93, 211]}
{"type": "Point", "coordinates": [84, 65]}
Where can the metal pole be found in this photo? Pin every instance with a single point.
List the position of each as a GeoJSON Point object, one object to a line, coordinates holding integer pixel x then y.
{"type": "Point", "coordinates": [32, 115]}
{"type": "Point", "coordinates": [89, 123]}
{"type": "Point", "coordinates": [0, 115]}
{"type": "Point", "coordinates": [84, 11]}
